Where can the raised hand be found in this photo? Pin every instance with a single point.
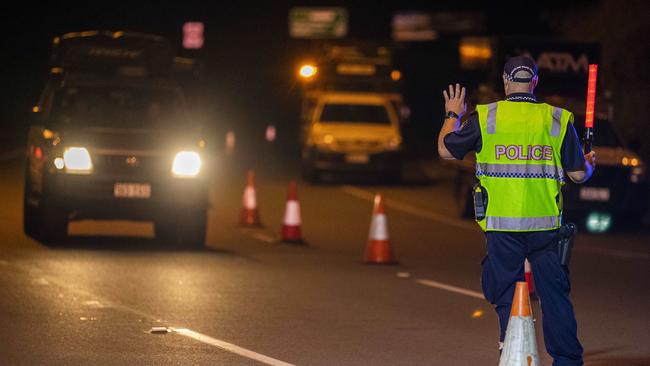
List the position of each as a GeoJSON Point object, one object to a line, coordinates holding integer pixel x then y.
{"type": "Point", "coordinates": [455, 100]}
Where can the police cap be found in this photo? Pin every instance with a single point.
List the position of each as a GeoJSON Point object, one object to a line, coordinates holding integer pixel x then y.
{"type": "Point", "coordinates": [520, 69]}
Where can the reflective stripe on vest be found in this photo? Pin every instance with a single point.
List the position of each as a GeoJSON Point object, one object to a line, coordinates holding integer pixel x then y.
{"type": "Point", "coordinates": [491, 121]}
{"type": "Point", "coordinates": [522, 223]}
{"type": "Point", "coordinates": [557, 122]}
{"type": "Point", "coordinates": [492, 118]}
{"type": "Point", "coordinates": [520, 171]}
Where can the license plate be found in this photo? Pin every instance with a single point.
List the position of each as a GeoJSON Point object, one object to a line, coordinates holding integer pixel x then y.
{"type": "Point", "coordinates": [357, 158]}
{"type": "Point", "coordinates": [132, 190]}
{"type": "Point", "coordinates": [594, 194]}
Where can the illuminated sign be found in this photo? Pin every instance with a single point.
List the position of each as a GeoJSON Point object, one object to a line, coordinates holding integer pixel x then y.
{"type": "Point", "coordinates": [475, 52]}
{"type": "Point", "coordinates": [562, 62]}
{"type": "Point", "coordinates": [318, 22]}
{"type": "Point", "coordinates": [193, 35]}
{"type": "Point", "coordinates": [413, 26]}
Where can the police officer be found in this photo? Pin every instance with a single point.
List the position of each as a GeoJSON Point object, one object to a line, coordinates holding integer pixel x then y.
{"type": "Point", "coordinates": [524, 149]}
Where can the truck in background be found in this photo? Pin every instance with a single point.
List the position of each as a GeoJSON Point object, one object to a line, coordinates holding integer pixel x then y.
{"type": "Point", "coordinates": [351, 110]}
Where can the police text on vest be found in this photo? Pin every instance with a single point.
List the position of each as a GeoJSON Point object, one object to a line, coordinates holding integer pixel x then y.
{"type": "Point", "coordinates": [519, 152]}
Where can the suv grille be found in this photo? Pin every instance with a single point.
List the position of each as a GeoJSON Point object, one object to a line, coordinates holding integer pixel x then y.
{"type": "Point", "coordinates": [358, 144]}
{"type": "Point", "coordinates": [131, 164]}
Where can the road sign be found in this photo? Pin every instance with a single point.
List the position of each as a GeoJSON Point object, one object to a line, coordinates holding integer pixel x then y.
{"type": "Point", "coordinates": [193, 35]}
{"type": "Point", "coordinates": [318, 22]}
{"type": "Point", "coordinates": [412, 26]}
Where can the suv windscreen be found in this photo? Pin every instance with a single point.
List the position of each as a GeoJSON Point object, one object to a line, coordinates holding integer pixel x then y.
{"type": "Point", "coordinates": [354, 113]}
{"type": "Point", "coordinates": [604, 133]}
{"type": "Point", "coordinates": [118, 107]}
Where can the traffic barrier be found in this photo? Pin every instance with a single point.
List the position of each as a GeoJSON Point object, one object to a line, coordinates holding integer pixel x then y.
{"type": "Point", "coordinates": [378, 250]}
{"type": "Point", "coordinates": [249, 213]}
{"type": "Point", "coordinates": [520, 346]}
{"type": "Point", "coordinates": [528, 274]}
{"type": "Point", "coordinates": [291, 232]}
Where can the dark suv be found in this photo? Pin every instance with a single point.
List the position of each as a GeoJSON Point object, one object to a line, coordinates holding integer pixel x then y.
{"type": "Point", "coordinates": [111, 146]}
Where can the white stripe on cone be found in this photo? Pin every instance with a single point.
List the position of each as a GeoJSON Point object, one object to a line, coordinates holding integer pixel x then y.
{"type": "Point", "coordinates": [520, 344]}
{"type": "Point", "coordinates": [378, 228]}
{"type": "Point", "coordinates": [292, 214]}
{"type": "Point", "coordinates": [250, 199]}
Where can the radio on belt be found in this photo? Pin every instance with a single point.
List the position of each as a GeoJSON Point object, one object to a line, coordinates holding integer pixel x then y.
{"type": "Point", "coordinates": [480, 201]}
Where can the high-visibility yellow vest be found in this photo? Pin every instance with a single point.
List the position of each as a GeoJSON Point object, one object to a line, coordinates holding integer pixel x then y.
{"type": "Point", "coordinates": [519, 165]}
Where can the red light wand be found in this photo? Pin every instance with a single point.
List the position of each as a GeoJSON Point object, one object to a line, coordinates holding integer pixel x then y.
{"type": "Point", "coordinates": [591, 104]}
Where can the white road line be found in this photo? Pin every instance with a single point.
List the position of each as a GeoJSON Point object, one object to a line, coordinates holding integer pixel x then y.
{"type": "Point", "coordinates": [400, 206]}
{"type": "Point", "coordinates": [263, 237]}
{"type": "Point", "coordinates": [623, 254]}
{"type": "Point", "coordinates": [450, 288]}
{"type": "Point", "coordinates": [229, 347]}
{"type": "Point", "coordinates": [182, 331]}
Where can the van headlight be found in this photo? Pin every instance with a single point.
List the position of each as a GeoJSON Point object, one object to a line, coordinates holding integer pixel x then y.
{"type": "Point", "coordinates": [187, 164]}
{"type": "Point", "coordinates": [77, 160]}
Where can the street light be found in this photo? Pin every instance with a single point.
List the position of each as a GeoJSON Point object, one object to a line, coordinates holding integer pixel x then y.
{"type": "Point", "coordinates": [307, 71]}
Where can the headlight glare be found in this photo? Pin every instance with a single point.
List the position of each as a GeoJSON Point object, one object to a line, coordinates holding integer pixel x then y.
{"type": "Point", "coordinates": [328, 139]}
{"type": "Point", "coordinates": [186, 164]}
{"type": "Point", "coordinates": [59, 163]}
{"type": "Point", "coordinates": [77, 160]}
{"type": "Point", "coordinates": [324, 141]}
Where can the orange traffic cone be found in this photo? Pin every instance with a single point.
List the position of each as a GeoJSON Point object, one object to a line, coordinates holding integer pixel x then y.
{"type": "Point", "coordinates": [291, 232]}
{"type": "Point", "coordinates": [528, 274]}
{"type": "Point", "coordinates": [378, 250]}
{"type": "Point", "coordinates": [249, 214]}
{"type": "Point", "coordinates": [520, 346]}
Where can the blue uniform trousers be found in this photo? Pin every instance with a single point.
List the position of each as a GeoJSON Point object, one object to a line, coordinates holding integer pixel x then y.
{"type": "Point", "coordinates": [503, 266]}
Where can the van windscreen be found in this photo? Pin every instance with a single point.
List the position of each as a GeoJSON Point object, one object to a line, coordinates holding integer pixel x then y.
{"type": "Point", "coordinates": [354, 113]}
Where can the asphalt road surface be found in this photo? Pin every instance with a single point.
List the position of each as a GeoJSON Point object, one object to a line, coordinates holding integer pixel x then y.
{"type": "Point", "coordinates": [114, 296]}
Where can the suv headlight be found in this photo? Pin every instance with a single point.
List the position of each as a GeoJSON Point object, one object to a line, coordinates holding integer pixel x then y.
{"type": "Point", "coordinates": [187, 164]}
{"type": "Point", "coordinates": [77, 160]}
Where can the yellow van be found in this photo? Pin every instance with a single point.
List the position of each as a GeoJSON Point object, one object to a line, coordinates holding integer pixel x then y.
{"type": "Point", "coordinates": [353, 132]}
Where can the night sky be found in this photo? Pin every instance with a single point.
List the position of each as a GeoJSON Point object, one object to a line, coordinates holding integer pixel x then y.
{"type": "Point", "coordinates": [249, 58]}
